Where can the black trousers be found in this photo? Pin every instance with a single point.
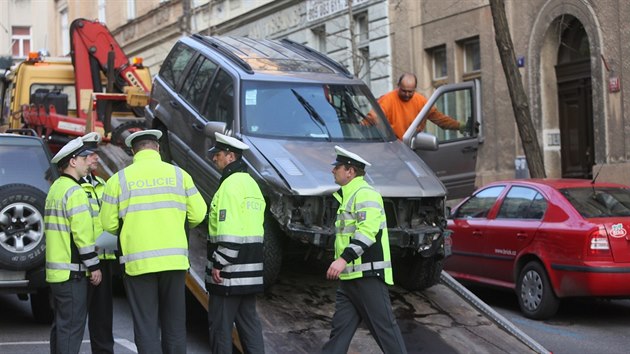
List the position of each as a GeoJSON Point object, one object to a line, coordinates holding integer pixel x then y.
{"type": "Point", "coordinates": [367, 300]}
{"type": "Point", "coordinates": [226, 311]}
{"type": "Point", "coordinates": [158, 306]}
{"type": "Point", "coordinates": [70, 308]}
{"type": "Point", "coordinates": [101, 311]}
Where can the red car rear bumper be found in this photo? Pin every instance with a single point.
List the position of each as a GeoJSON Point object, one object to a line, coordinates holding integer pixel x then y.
{"type": "Point", "coordinates": [591, 279]}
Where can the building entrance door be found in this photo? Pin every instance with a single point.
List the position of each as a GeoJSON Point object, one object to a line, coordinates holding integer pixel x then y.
{"type": "Point", "coordinates": [575, 104]}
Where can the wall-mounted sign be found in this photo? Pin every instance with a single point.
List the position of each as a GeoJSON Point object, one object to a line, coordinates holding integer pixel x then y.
{"type": "Point", "coordinates": [316, 9]}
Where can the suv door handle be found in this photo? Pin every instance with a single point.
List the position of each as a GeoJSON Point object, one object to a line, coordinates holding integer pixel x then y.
{"type": "Point", "coordinates": [173, 103]}
{"type": "Point", "coordinates": [198, 127]}
{"type": "Point", "coordinates": [521, 235]}
{"type": "Point", "coordinates": [469, 149]}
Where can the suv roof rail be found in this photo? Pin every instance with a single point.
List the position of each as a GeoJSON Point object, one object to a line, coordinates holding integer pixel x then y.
{"type": "Point", "coordinates": [221, 49]}
{"type": "Point", "coordinates": [317, 55]}
{"type": "Point", "coordinates": [23, 131]}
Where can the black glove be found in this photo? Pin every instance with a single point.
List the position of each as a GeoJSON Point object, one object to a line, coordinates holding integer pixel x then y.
{"type": "Point", "coordinates": [471, 126]}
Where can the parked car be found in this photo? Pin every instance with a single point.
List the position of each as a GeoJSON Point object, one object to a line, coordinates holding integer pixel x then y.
{"type": "Point", "coordinates": [25, 176]}
{"type": "Point", "coordinates": [292, 105]}
{"type": "Point", "coordinates": [547, 239]}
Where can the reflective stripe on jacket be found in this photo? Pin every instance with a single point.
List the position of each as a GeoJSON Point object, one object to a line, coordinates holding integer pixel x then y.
{"type": "Point", "coordinates": [153, 199]}
{"type": "Point", "coordinates": [94, 190]}
{"type": "Point", "coordinates": [361, 232]}
{"type": "Point", "coordinates": [235, 240]}
{"type": "Point", "coordinates": [69, 231]}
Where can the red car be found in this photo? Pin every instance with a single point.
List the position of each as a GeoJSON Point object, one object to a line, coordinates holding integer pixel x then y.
{"type": "Point", "coordinates": [545, 238]}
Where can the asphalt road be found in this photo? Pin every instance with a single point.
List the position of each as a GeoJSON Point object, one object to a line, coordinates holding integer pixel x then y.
{"type": "Point", "coordinates": [19, 334]}
{"type": "Point", "coordinates": [296, 317]}
{"type": "Point", "coordinates": [585, 326]}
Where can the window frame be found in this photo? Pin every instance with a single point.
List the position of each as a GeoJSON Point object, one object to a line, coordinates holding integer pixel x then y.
{"type": "Point", "coordinates": [433, 53]}
{"type": "Point", "coordinates": [20, 39]}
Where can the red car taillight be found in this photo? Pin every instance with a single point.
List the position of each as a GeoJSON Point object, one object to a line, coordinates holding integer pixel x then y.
{"type": "Point", "coordinates": [598, 245]}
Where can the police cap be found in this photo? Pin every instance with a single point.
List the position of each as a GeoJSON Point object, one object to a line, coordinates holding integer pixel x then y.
{"type": "Point", "coordinates": [92, 140]}
{"type": "Point", "coordinates": [227, 143]}
{"type": "Point", "coordinates": [73, 148]}
{"type": "Point", "coordinates": [345, 157]}
{"type": "Point", "coordinates": [151, 134]}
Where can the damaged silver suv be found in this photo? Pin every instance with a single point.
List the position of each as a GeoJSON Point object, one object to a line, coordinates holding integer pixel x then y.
{"type": "Point", "coordinates": [292, 105]}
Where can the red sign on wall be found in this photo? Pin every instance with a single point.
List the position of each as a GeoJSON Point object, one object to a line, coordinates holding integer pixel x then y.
{"type": "Point", "coordinates": [614, 84]}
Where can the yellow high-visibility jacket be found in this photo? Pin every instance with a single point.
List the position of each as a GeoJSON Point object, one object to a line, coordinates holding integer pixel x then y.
{"type": "Point", "coordinates": [94, 190]}
{"type": "Point", "coordinates": [69, 231]}
{"type": "Point", "coordinates": [361, 232]}
{"type": "Point", "coordinates": [235, 241]}
{"type": "Point", "coordinates": [147, 204]}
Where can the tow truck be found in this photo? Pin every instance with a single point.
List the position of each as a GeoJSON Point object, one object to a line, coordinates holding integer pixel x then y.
{"type": "Point", "coordinates": [97, 88]}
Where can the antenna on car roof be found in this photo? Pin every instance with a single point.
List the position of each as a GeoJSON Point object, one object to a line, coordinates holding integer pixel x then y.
{"type": "Point", "coordinates": [595, 178]}
{"type": "Point", "coordinates": [597, 174]}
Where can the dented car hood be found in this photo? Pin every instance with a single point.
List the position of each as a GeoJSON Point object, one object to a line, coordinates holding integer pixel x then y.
{"type": "Point", "coordinates": [306, 166]}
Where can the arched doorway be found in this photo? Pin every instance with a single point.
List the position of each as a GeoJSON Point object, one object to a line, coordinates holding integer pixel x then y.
{"type": "Point", "coordinates": [575, 104]}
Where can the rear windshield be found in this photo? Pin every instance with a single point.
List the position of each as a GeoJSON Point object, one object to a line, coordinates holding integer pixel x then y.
{"type": "Point", "coordinates": [599, 202]}
{"type": "Point", "coordinates": [312, 112]}
{"type": "Point", "coordinates": [25, 164]}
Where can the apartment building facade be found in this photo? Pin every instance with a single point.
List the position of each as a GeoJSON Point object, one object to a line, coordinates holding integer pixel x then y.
{"type": "Point", "coordinates": [569, 52]}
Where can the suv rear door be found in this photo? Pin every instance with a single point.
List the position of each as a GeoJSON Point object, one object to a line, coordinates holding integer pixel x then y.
{"type": "Point", "coordinates": [455, 161]}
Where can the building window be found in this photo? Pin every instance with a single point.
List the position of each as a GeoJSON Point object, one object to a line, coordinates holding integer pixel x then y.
{"type": "Point", "coordinates": [362, 36]}
{"type": "Point", "coordinates": [101, 10]}
{"type": "Point", "coordinates": [364, 58]}
{"type": "Point", "coordinates": [472, 57]}
{"type": "Point", "coordinates": [319, 38]}
{"type": "Point", "coordinates": [361, 29]}
{"type": "Point", "coordinates": [131, 9]}
{"type": "Point", "coordinates": [438, 56]}
{"type": "Point", "coordinates": [20, 41]}
{"type": "Point", "coordinates": [65, 32]}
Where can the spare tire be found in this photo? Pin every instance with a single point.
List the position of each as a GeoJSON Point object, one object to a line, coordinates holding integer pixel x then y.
{"type": "Point", "coordinates": [121, 132]}
{"type": "Point", "coordinates": [22, 244]}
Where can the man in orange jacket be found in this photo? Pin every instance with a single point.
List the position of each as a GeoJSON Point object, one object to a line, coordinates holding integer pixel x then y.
{"type": "Point", "coordinates": [402, 105]}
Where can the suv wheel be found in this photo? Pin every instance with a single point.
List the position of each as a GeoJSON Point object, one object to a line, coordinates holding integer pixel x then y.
{"type": "Point", "coordinates": [272, 251]}
{"type": "Point", "coordinates": [22, 244]}
{"type": "Point", "coordinates": [534, 292]}
{"type": "Point", "coordinates": [165, 147]}
{"type": "Point", "coordinates": [418, 272]}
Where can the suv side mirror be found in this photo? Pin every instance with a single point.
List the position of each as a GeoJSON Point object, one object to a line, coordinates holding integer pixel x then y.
{"type": "Point", "coordinates": [424, 141]}
{"type": "Point", "coordinates": [211, 127]}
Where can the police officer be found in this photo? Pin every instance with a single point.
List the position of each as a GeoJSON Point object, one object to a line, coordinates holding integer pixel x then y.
{"type": "Point", "coordinates": [101, 307]}
{"type": "Point", "coordinates": [70, 250]}
{"type": "Point", "coordinates": [362, 261]}
{"type": "Point", "coordinates": [147, 205]}
{"type": "Point", "coordinates": [234, 274]}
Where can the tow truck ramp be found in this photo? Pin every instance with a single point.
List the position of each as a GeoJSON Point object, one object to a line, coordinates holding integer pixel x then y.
{"type": "Point", "coordinates": [296, 314]}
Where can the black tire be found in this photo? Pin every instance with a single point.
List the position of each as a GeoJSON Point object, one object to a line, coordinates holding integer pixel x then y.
{"type": "Point", "coordinates": [535, 295]}
{"type": "Point", "coordinates": [165, 147]}
{"type": "Point", "coordinates": [22, 245]}
{"type": "Point", "coordinates": [41, 306]}
{"type": "Point", "coordinates": [417, 272]}
{"type": "Point", "coordinates": [272, 251]}
{"type": "Point", "coordinates": [121, 132]}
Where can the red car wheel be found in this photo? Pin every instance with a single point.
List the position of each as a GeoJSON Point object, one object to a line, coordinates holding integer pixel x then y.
{"type": "Point", "coordinates": [534, 292]}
